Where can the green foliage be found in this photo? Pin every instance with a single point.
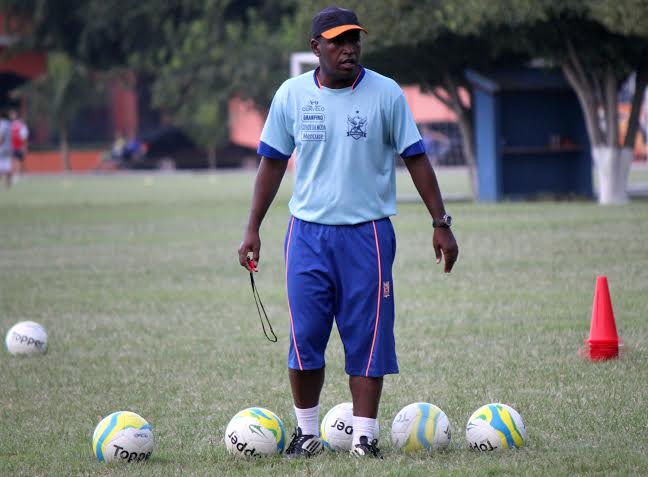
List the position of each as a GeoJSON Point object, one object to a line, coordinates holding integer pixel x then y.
{"type": "Point", "coordinates": [597, 46]}
{"type": "Point", "coordinates": [627, 17]}
{"type": "Point", "coordinates": [201, 52]}
{"type": "Point", "coordinates": [213, 58]}
{"type": "Point", "coordinates": [65, 88]}
{"type": "Point", "coordinates": [99, 34]}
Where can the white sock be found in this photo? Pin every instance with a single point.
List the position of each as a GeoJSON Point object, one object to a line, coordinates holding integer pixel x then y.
{"type": "Point", "coordinates": [308, 419]}
{"type": "Point", "coordinates": [363, 426]}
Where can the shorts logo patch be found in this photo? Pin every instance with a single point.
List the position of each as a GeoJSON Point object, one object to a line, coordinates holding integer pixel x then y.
{"type": "Point", "coordinates": [386, 289]}
{"type": "Point", "coordinates": [357, 126]}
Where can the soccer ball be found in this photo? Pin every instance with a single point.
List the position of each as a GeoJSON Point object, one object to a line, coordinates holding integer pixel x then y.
{"type": "Point", "coordinates": [495, 426]}
{"type": "Point", "coordinates": [123, 436]}
{"type": "Point", "coordinates": [336, 429]}
{"type": "Point", "coordinates": [26, 337]}
{"type": "Point", "coordinates": [255, 432]}
{"type": "Point", "coordinates": [420, 426]}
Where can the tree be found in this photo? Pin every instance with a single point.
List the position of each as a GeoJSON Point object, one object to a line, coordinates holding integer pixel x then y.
{"type": "Point", "coordinates": [595, 74]}
{"type": "Point", "coordinates": [225, 51]}
{"type": "Point", "coordinates": [630, 19]}
{"type": "Point", "coordinates": [198, 52]}
{"type": "Point", "coordinates": [597, 44]}
{"type": "Point", "coordinates": [85, 41]}
{"type": "Point", "coordinates": [98, 34]}
{"type": "Point", "coordinates": [60, 94]}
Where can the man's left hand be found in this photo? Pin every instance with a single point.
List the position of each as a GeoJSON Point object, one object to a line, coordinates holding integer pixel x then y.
{"type": "Point", "coordinates": [445, 246]}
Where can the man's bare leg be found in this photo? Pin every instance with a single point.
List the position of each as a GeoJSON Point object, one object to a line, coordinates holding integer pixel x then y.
{"type": "Point", "coordinates": [365, 392]}
{"type": "Point", "coordinates": [306, 387]}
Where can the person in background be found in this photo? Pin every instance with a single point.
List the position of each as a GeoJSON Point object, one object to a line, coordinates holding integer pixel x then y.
{"type": "Point", "coordinates": [6, 168]}
{"type": "Point", "coordinates": [117, 150]}
{"type": "Point", "coordinates": [437, 144]}
{"type": "Point", "coordinates": [133, 150]}
{"type": "Point", "coordinates": [19, 136]}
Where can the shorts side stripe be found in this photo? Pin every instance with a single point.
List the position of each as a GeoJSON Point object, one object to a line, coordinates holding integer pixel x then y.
{"type": "Point", "coordinates": [292, 325]}
{"type": "Point", "coordinates": [373, 342]}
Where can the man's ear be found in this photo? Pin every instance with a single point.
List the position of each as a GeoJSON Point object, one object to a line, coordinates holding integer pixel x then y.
{"type": "Point", "coordinates": [315, 47]}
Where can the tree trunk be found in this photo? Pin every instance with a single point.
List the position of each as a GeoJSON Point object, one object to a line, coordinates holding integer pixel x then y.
{"type": "Point", "coordinates": [599, 94]}
{"type": "Point", "coordinates": [468, 147]}
{"type": "Point", "coordinates": [585, 92]}
{"type": "Point", "coordinates": [637, 100]}
{"type": "Point", "coordinates": [613, 167]}
{"type": "Point", "coordinates": [611, 108]}
{"type": "Point", "coordinates": [64, 147]}
{"type": "Point", "coordinates": [211, 156]}
{"type": "Point", "coordinates": [452, 99]}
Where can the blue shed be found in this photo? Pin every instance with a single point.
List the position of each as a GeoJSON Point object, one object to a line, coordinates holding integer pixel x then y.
{"type": "Point", "coordinates": [530, 136]}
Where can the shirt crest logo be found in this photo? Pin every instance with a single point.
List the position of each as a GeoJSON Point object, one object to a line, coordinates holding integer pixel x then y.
{"type": "Point", "coordinates": [357, 126]}
{"type": "Point", "coordinates": [386, 289]}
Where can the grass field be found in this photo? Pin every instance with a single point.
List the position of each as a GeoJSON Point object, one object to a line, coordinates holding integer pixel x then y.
{"type": "Point", "coordinates": [137, 281]}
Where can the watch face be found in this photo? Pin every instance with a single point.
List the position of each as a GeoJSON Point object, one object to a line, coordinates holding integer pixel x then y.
{"type": "Point", "coordinates": [445, 222]}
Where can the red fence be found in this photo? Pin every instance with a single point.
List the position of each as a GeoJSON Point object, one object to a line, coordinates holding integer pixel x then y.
{"type": "Point", "coordinates": [51, 161]}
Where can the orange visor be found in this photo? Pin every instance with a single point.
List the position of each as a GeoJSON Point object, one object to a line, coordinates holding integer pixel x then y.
{"type": "Point", "coordinates": [333, 32]}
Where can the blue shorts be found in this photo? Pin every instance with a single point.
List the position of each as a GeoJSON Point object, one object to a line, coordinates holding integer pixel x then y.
{"type": "Point", "coordinates": [341, 272]}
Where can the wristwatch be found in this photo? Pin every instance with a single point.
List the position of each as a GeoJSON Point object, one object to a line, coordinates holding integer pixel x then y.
{"type": "Point", "coordinates": [444, 222]}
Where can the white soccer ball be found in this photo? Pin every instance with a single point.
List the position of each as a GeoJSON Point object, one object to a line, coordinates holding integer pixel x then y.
{"type": "Point", "coordinates": [26, 337]}
{"type": "Point", "coordinates": [420, 426]}
{"type": "Point", "coordinates": [255, 432]}
{"type": "Point", "coordinates": [123, 436]}
{"type": "Point", "coordinates": [336, 429]}
{"type": "Point", "coordinates": [495, 426]}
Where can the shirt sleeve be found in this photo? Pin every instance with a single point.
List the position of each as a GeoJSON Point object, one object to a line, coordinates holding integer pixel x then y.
{"type": "Point", "coordinates": [277, 139]}
{"type": "Point", "coordinates": [405, 136]}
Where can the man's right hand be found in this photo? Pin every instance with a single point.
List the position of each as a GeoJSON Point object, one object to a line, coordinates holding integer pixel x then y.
{"type": "Point", "coordinates": [251, 244]}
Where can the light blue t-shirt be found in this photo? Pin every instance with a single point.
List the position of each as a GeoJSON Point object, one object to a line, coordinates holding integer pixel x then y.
{"type": "Point", "coordinates": [345, 142]}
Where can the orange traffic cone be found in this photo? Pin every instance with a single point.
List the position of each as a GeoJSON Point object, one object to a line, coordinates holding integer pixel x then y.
{"type": "Point", "coordinates": [603, 341]}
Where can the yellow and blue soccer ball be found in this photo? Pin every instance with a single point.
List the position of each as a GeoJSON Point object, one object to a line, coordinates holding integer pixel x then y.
{"type": "Point", "coordinates": [255, 432]}
{"type": "Point", "coordinates": [421, 426]}
{"type": "Point", "coordinates": [336, 429]}
{"type": "Point", "coordinates": [123, 436]}
{"type": "Point", "coordinates": [495, 426]}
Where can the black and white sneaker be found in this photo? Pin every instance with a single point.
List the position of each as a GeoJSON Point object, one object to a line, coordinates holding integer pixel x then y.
{"type": "Point", "coordinates": [366, 448]}
{"type": "Point", "coordinates": [304, 445]}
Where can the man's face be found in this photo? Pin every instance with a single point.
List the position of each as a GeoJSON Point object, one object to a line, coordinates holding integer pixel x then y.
{"type": "Point", "coordinates": [340, 56]}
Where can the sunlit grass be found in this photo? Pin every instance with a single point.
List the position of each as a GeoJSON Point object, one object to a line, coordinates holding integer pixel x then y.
{"type": "Point", "coordinates": [137, 281]}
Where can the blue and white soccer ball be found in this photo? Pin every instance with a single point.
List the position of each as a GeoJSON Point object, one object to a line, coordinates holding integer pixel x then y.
{"type": "Point", "coordinates": [336, 429]}
{"type": "Point", "coordinates": [255, 432]}
{"type": "Point", "coordinates": [26, 338]}
{"type": "Point", "coordinates": [421, 426]}
{"type": "Point", "coordinates": [123, 436]}
{"type": "Point", "coordinates": [495, 426]}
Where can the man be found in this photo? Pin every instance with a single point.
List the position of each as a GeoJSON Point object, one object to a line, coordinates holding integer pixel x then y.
{"type": "Point", "coordinates": [6, 169]}
{"type": "Point", "coordinates": [19, 135]}
{"type": "Point", "coordinates": [345, 122]}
